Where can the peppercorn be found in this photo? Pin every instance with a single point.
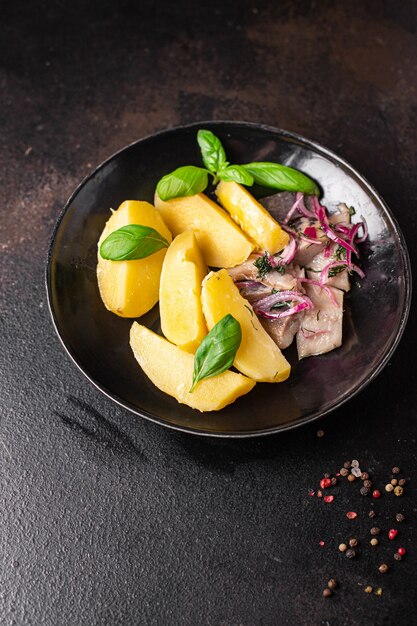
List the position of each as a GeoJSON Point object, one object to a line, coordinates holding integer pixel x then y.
{"type": "Point", "coordinates": [398, 556]}
{"type": "Point", "coordinates": [319, 493]}
{"type": "Point", "coordinates": [342, 547]}
{"type": "Point", "coordinates": [334, 481]}
{"type": "Point", "coordinates": [383, 568]}
{"type": "Point", "coordinates": [350, 554]}
{"type": "Point", "coordinates": [376, 494]}
{"type": "Point", "coordinates": [372, 514]}
{"type": "Point", "coordinates": [374, 541]}
{"type": "Point", "coordinates": [355, 463]}
{"type": "Point", "coordinates": [353, 542]}
{"type": "Point", "coordinates": [344, 471]}
{"type": "Point", "coordinates": [375, 531]}
{"type": "Point", "coordinates": [320, 433]}
{"type": "Point", "coordinates": [367, 484]}
{"type": "Point", "coordinates": [394, 482]}
{"type": "Point", "coordinates": [392, 533]}
{"type": "Point", "coordinates": [401, 551]}
{"type": "Point", "coordinates": [378, 592]}
{"type": "Point", "coordinates": [364, 491]}
{"type": "Point", "coordinates": [327, 592]}
{"type": "Point", "coordinates": [332, 584]}
{"type": "Point", "coordinates": [325, 482]}
{"type": "Point", "coordinates": [395, 470]}
{"type": "Point", "coordinates": [346, 464]}
{"type": "Point", "coordinates": [364, 476]}
{"type": "Point", "coordinates": [402, 482]}
{"type": "Point", "coordinates": [400, 517]}
{"type": "Point", "coordinates": [389, 487]}
{"type": "Point", "coordinates": [351, 478]}
{"type": "Point", "coordinates": [398, 491]}
{"type": "Point", "coordinates": [326, 475]}
{"type": "Point", "coordinates": [368, 589]}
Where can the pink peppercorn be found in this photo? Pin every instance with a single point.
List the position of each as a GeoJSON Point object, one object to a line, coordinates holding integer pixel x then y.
{"type": "Point", "coordinates": [392, 533]}
{"type": "Point", "coordinates": [401, 551]}
{"type": "Point", "coordinates": [325, 482]}
{"type": "Point", "coordinates": [376, 494]}
{"type": "Point", "coordinates": [328, 499]}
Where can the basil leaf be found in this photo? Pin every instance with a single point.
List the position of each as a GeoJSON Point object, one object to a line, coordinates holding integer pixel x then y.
{"type": "Point", "coordinates": [132, 242]}
{"type": "Point", "coordinates": [281, 177]}
{"type": "Point", "coordinates": [212, 151]}
{"type": "Point", "coordinates": [236, 173]}
{"type": "Point", "coordinates": [184, 181]}
{"type": "Point", "coordinates": [217, 351]}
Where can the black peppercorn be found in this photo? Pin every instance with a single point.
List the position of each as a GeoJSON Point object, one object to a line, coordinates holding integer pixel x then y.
{"type": "Point", "coordinates": [332, 584]}
{"type": "Point", "coordinates": [400, 517]}
{"type": "Point", "coordinates": [350, 554]}
{"type": "Point", "coordinates": [397, 556]}
{"type": "Point", "coordinates": [375, 531]}
{"type": "Point", "coordinates": [371, 514]}
{"type": "Point", "coordinates": [334, 481]}
{"type": "Point", "coordinates": [383, 568]}
{"type": "Point", "coordinates": [364, 476]}
{"type": "Point", "coordinates": [367, 483]}
{"type": "Point", "coordinates": [344, 471]}
{"type": "Point", "coordinates": [402, 482]}
{"type": "Point", "coordinates": [364, 491]}
{"type": "Point", "coordinates": [353, 542]}
{"type": "Point", "coordinates": [327, 592]}
{"type": "Point", "coordinates": [346, 464]}
{"type": "Point", "coordinates": [395, 470]}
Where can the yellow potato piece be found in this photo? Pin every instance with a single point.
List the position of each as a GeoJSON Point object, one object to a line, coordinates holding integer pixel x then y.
{"type": "Point", "coordinates": [252, 217]}
{"type": "Point", "coordinates": [258, 355]}
{"type": "Point", "coordinates": [220, 240]}
{"type": "Point", "coordinates": [171, 370]}
{"type": "Point", "coordinates": [182, 319]}
{"type": "Point", "coordinates": [131, 288]}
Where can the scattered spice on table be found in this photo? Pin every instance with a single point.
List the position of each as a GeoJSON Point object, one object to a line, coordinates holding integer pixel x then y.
{"type": "Point", "coordinates": [321, 543]}
{"type": "Point", "coordinates": [402, 482]}
{"type": "Point", "coordinates": [325, 483]}
{"type": "Point", "coordinates": [375, 531]}
{"type": "Point", "coordinates": [389, 487]}
{"type": "Point", "coordinates": [400, 517]}
{"type": "Point", "coordinates": [328, 499]}
{"type": "Point", "coordinates": [392, 533]}
{"type": "Point", "coordinates": [398, 491]}
{"type": "Point", "coordinates": [342, 547]}
{"type": "Point", "coordinates": [378, 591]}
{"type": "Point", "coordinates": [320, 433]}
{"type": "Point", "coordinates": [351, 515]}
{"type": "Point", "coordinates": [353, 542]}
{"type": "Point", "coordinates": [374, 541]}
{"type": "Point", "coordinates": [332, 584]}
{"type": "Point", "coordinates": [376, 494]}
{"type": "Point", "coordinates": [350, 554]}
{"type": "Point", "coordinates": [364, 491]}
{"type": "Point", "coordinates": [394, 482]}
{"type": "Point", "coordinates": [383, 568]}
{"type": "Point", "coordinates": [344, 471]}
{"type": "Point", "coordinates": [395, 470]}
{"type": "Point", "coordinates": [351, 478]}
{"type": "Point", "coordinates": [327, 592]}
{"type": "Point", "coordinates": [372, 514]}
{"type": "Point", "coordinates": [397, 556]}
{"type": "Point", "coordinates": [401, 551]}
{"type": "Point", "coordinates": [368, 589]}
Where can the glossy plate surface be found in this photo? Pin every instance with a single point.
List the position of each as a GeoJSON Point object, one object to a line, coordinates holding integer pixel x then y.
{"type": "Point", "coordinates": [98, 341]}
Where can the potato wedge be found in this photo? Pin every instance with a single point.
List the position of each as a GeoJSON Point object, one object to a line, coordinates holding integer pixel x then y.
{"type": "Point", "coordinates": [220, 240]}
{"type": "Point", "coordinates": [131, 288]}
{"type": "Point", "coordinates": [183, 270]}
{"type": "Point", "coordinates": [252, 217]}
{"type": "Point", "coordinates": [258, 355]}
{"type": "Point", "coordinates": [171, 370]}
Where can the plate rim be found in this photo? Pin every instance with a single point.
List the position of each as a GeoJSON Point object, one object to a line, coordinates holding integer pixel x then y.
{"type": "Point", "coordinates": [317, 147]}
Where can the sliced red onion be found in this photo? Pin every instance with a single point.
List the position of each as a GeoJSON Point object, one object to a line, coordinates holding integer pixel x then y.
{"type": "Point", "coordinates": [263, 307]}
{"type": "Point", "coordinates": [302, 207]}
{"type": "Point", "coordinates": [310, 232]}
{"type": "Point", "coordinates": [299, 199]}
{"type": "Point", "coordinates": [322, 217]}
{"type": "Point", "coordinates": [327, 251]}
{"type": "Point", "coordinates": [365, 230]}
{"type": "Point", "coordinates": [357, 270]}
{"type": "Point", "coordinates": [324, 274]}
{"type": "Point", "coordinates": [295, 233]}
{"type": "Point", "coordinates": [289, 252]}
{"type": "Point", "coordinates": [317, 283]}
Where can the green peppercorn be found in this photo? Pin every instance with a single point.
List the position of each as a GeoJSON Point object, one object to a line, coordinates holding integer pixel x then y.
{"type": "Point", "coordinates": [398, 491]}
{"type": "Point", "coordinates": [368, 589]}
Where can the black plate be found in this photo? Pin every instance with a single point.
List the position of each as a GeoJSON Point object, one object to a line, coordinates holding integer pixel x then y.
{"type": "Point", "coordinates": [97, 340]}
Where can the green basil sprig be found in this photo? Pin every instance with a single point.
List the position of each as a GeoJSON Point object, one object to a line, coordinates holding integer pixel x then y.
{"type": "Point", "coordinates": [281, 177]}
{"type": "Point", "coordinates": [217, 351]}
{"type": "Point", "coordinates": [212, 151]}
{"type": "Point", "coordinates": [184, 181]}
{"type": "Point", "coordinates": [190, 180]}
{"type": "Point", "coordinates": [132, 242]}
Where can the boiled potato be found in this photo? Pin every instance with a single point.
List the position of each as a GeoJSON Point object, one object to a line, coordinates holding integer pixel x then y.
{"type": "Point", "coordinates": [220, 240]}
{"type": "Point", "coordinates": [258, 355]}
{"type": "Point", "coordinates": [171, 370]}
{"type": "Point", "coordinates": [131, 288]}
{"type": "Point", "coordinates": [252, 217]}
{"type": "Point", "coordinates": [183, 270]}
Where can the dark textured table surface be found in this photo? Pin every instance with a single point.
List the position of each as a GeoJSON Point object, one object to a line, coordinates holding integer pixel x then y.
{"type": "Point", "coordinates": [107, 518]}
